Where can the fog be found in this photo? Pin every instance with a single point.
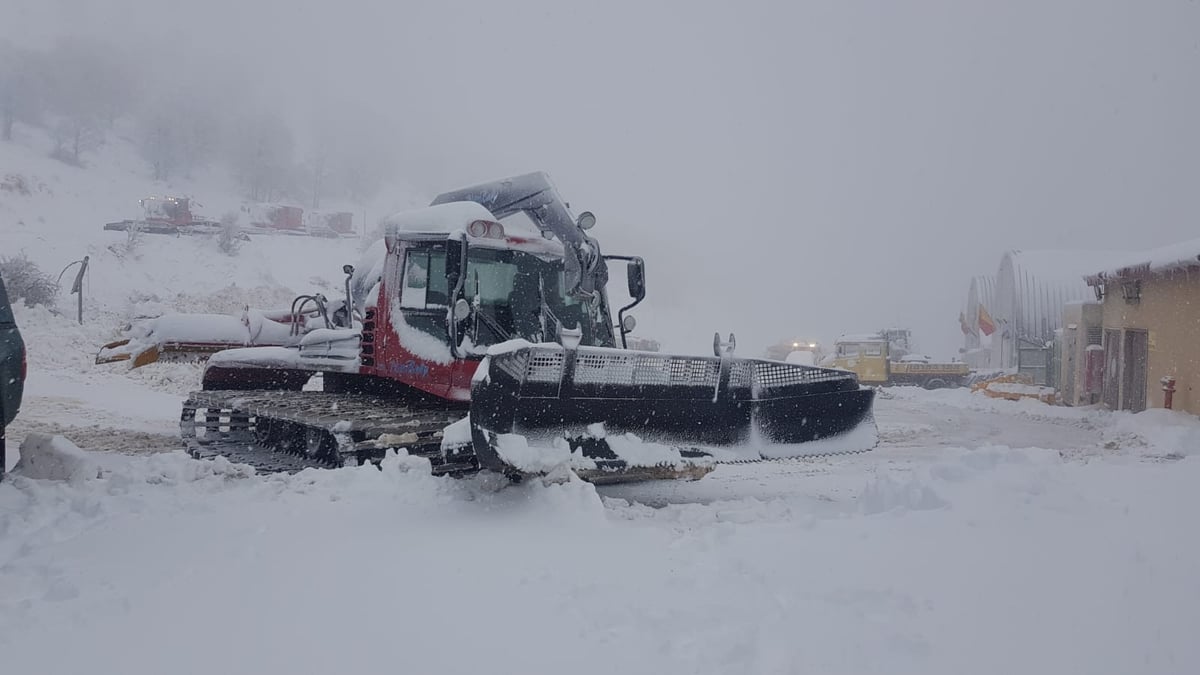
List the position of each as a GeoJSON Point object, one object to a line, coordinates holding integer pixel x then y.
{"type": "Point", "coordinates": [786, 168]}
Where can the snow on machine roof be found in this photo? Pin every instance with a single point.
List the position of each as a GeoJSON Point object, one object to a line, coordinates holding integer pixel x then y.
{"type": "Point", "coordinates": [441, 219]}
{"type": "Point", "coordinates": [454, 219]}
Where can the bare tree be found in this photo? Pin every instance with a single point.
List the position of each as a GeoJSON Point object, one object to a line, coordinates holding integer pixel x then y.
{"type": "Point", "coordinates": [20, 97]}
{"type": "Point", "coordinates": [75, 135]}
{"type": "Point", "coordinates": [160, 143]}
{"type": "Point", "coordinates": [87, 86]}
{"type": "Point", "coordinates": [261, 157]}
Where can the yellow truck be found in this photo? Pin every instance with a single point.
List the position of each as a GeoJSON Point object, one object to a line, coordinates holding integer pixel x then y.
{"type": "Point", "coordinates": [883, 359]}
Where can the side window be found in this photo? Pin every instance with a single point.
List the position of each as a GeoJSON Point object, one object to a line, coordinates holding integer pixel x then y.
{"type": "Point", "coordinates": [424, 279]}
{"type": "Point", "coordinates": [6, 316]}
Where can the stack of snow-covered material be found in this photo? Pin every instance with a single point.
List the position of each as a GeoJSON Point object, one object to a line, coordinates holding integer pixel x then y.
{"type": "Point", "coordinates": [1018, 390]}
{"type": "Point", "coordinates": [199, 333]}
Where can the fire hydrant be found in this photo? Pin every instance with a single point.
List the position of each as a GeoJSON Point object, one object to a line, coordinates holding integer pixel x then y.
{"type": "Point", "coordinates": [1168, 387]}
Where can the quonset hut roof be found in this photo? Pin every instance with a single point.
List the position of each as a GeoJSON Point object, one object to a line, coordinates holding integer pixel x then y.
{"type": "Point", "coordinates": [1032, 287]}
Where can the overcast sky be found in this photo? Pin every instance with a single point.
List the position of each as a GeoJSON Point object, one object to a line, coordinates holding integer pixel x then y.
{"type": "Point", "coordinates": [789, 167]}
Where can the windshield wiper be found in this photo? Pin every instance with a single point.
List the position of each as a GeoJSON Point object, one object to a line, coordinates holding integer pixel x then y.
{"type": "Point", "coordinates": [490, 321]}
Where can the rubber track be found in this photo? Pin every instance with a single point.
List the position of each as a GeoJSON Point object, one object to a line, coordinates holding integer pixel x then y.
{"type": "Point", "coordinates": [357, 416]}
{"type": "Point", "coordinates": [352, 419]}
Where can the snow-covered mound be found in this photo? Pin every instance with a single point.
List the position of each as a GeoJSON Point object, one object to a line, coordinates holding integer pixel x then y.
{"type": "Point", "coordinates": [54, 458]}
{"type": "Point", "coordinates": [901, 567]}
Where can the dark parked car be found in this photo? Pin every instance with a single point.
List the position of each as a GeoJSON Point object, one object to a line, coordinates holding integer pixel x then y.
{"type": "Point", "coordinates": [12, 369]}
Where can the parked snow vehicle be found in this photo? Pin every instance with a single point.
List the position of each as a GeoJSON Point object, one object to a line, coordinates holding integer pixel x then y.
{"type": "Point", "coordinates": [167, 215]}
{"type": "Point", "coordinates": [13, 368]}
{"type": "Point", "coordinates": [173, 215]}
{"type": "Point", "coordinates": [797, 350]}
{"type": "Point", "coordinates": [484, 344]}
{"type": "Point", "coordinates": [883, 358]}
{"type": "Point", "coordinates": [292, 220]}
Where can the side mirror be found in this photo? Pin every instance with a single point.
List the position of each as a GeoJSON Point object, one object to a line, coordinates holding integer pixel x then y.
{"type": "Point", "coordinates": [636, 273]}
{"type": "Point", "coordinates": [462, 309]}
{"type": "Point", "coordinates": [628, 323]}
{"type": "Point", "coordinates": [456, 253]}
{"type": "Point", "coordinates": [347, 269]}
{"type": "Point", "coordinates": [586, 220]}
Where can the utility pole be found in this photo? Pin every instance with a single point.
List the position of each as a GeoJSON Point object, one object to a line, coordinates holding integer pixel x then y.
{"type": "Point", "coordinates": [77, 287]}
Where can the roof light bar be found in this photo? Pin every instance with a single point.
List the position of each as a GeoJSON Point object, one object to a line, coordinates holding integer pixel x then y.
{"type": "Point", "coordinates": [486, 228]}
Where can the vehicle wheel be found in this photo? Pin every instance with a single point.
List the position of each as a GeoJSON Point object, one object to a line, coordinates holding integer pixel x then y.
{"type": "Point", "coordinates": [935, 383]}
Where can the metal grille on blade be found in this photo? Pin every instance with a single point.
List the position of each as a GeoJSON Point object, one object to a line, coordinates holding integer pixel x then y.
{"type": "Point", "coordinates": [545, 366]}
{"type": "Point", "coordinates": [642, 369]}
{"type": "Point", "coordinates": [781, 375]}
{"type": "Point", "coordinates": [513, 364]}
{"type": "Point", "coordinates": [741, 374]}
{"type": "Point", "coordinates": [592, 368]}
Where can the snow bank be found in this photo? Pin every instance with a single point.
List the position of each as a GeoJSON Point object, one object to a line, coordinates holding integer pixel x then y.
{"type": "Point", "coordinates": [552, 455]}
{"type": "Point", "coordinates": [517, 451]}
{"type": "Point", "coordinates": [963, 398]}
{"type": "Point", "coordinates": [1062, 567]}
{"type": "Point", "coordinates": [54, 458]}
{"type": "Point", "coordinates": [1169, 433]}
{"type": "Point", "coordinates": [888, 494]}
{"type": "Point", "coordinates": [457, 434]}
{"type": "Point", "coordinates": [641, 453]}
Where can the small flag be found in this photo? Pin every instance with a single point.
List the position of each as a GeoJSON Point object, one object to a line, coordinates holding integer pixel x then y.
{"type": "Point", "coordinates": [985, 321]}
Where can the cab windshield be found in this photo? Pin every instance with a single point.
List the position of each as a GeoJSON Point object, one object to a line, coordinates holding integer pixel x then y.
{"type": "Point", "coordinates": [519, 292]}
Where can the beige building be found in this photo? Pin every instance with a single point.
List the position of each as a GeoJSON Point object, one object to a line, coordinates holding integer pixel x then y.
{"type": "Point", "coordinates": [1150, 317]}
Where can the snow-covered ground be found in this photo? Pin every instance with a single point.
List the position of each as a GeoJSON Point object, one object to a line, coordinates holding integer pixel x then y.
{"type": "Point", "coordinates": [981, 536]}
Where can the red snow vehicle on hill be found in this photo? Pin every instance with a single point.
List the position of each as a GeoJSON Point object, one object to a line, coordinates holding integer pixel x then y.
{"type": "Point", "coordinates": [484, 341]}
{"type": "Point", "coordinates": [173, 215]}
{"type": "Point", "coordinates": [167, 215]}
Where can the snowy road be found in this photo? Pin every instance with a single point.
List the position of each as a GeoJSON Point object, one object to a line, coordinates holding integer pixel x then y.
{"type": "Point", "coordinates": [915, 429]}
{"type": "Point", "coordinates": [981, 536]}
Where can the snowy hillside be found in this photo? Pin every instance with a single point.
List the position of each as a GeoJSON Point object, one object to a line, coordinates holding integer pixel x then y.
{"type": "Point", "coordinates": [54, 214]}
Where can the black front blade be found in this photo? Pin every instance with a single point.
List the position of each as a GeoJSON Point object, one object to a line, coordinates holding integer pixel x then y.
{"type": "Point", "coordinates": [547, 392]}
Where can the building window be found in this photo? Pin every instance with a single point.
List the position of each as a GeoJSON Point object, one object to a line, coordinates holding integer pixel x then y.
{"type": "Point", "coordinates": [1131, 291]}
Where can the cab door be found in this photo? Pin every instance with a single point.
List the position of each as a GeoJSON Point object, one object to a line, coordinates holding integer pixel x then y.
{"type": "Point", "coordinates": [417, 348]}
